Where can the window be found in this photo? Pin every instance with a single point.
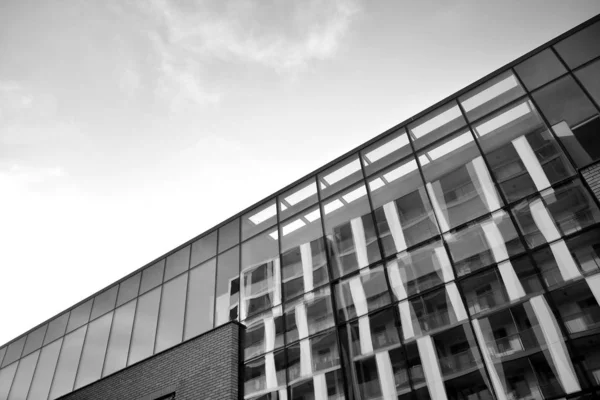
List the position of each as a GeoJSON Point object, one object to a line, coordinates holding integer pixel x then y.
{"type": "Point", "coordinates": [540, 69]}
{"type": "Point", "coordinates": [581, 46]}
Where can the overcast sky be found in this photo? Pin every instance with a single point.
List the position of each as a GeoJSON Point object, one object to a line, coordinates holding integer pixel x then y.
{"type": "Point", "coordinates": [128, 127]}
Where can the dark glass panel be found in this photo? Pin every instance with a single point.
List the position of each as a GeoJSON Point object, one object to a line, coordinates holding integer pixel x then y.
{"type": "Point", "coordinates": [14, 350]}
{"type": "Point", "coordinates": [177, 263]}
{"type": "Point", "coordinates": [2, 353]}
{"type": "Point", "coordinates": [385, 151]}
{"type": "Point", "coordinates": [436, 125]}
{"type": "Point", "coordinates": [104, 302]}
{"type": "Point", "coordinates": [201, 299]}
{"type": "Point", "coordinates": [578, 307]}
{"type": "Point", "coordinates": [229, 235]}
{"type": "Point", "coordinates": [264, 333]}
{"type": "Point", "coordinates": [529, 277]}
{"type": "Point", "coordinates": [128, 289]}
{"type": "Point", "coordinates": [589, 76]}
{"type": "Point", "coordinates": [228, 286]}
{"type": "Point", "coordinates": [325, 386]}
{"type": "Point", "coordinates": [120, 337]}
{"type": "Point", "coordinates": [144, 328]}
{"type": "Point", "coordinates": [585, 250]}
{"type": "Point", "coordinates": [341, 175]}
{"type": "Point", "coordinates": [540, 69]}
{"type": "Point", "coordinates": [255, 378]}
{"type": "Point", "coordinates": [79, 315]}
{"type": "Point", "coordinates": [308, 315]}
{"type": "Point", "coordinates": [311, 356]}
{"type": "Point", "coordinates": [64, 378]}
{"type": "Point", "coordinates": [484, 291]}
{"type": "Point", "coordinates": [297, 199]}
{"type": "Point", "coordinates": [94, 349]}
{"type": "Point", "coordinates": [23, 377]}
{"type": "Point", "coordinates": [362, 293]}
{"type": "Point", "coordinates": [259, 219]}
{"type": "Point", "coordinates": [588, 350]}
{"type": "Point", "coordinates": [172, 311]}
{"type": "Point", "coordinates": [56, 328]}
{"type": "Point", "coordinates": [42, 380]}
{"type": "Point", "coordinates": [152, 276]}
{"type": "Point", "coordinates": [34, 340]}
{"type": "Point", "coordinates": [204, 248]}
{"type": "Point", "coordinates": [580, 47]}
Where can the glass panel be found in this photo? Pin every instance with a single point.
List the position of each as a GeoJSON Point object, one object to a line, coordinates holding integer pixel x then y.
{"type": "Point", "coordinates": [522, 153]}
{"type": "Point", "coordinates": [14, 350]}
{"type": "Point", "coordinates": [589, 349]}
{"type": "Point", "coordinates": [303, 261]}
{"type": "Point", "coordinates": [229, 235]}
{"type": "Point", "coordinates": [362, 293]}
{"type": "Point", "coordinates": [34, 340]}
{"type": "Point", "coordinates": [177, 263]}
{"type": "Point", "coordinates": [264, 375]}
{"type": "Point", "coordinates": [540, 69]}
{"type": "Point", "coordinates": [6, 377]}
{"type": "Point", "coordinates": [104, 302]}
{"type": "Point", "coordinates": [419, 270]}
{"type": "Point", "coordinates": [201, 299]}
{"type": "Point", "coordinates": [263, 333]}
{"type": "Point", "coordinates": [2, 352]}
{"type": "Point", "coordinates": [64, 378]}
{"type": "Point", "coordinates": [297, 199]}
{"type": "Point", "coordinates": [79, 316]}
{"type": "Point", "coordinates": [326, 386]}
{"type": "Point", "coordinates": [385, 151]}
{"type": "Point", "coordinates": [228, 286]}
{"type": "Point", "coordinates": [262, 217]}
{"type": "Point", "coordinates": [581, 46]}
{"type": "Point", "coordinates": [204, 248]}
{"type": "Point", "coordinates": [590, 78]}
{"type": "Point", "coordinates": [92, 358]}
{"type": "Point", "coordinates": [339, 176]}
{"type": "Point", "coordinates": [484, 291]}
{"type": "Point", "coordinates": [458, 181]}
{"type": "Point", "coordinates": [261, 275]}
{"type": "Point", "coordinates": [436, 125]}
{"type": "Point", "coordinates": [561, 211]}
{"type": "Point", "coordinates": [573, 117]}
{"type": "Point", "coordinates": [128, 289]}
{"type": "Point", "coordinates": [436, 310]}
{"type": "Point", "coordinates": [585, 249]}
{"type": "Point", "coordinates": [144, 328]}
{"type": "Point", "coordinates": [402, 210]}
{"type": "Point", "coordinates": [56, 328]}
{"type": "Point", "coordinates": [23, 378]}
{"type": "Point", "coordinates": [491, 95]}
{"type": "Point", "coordinates": [172, 310]}
{"type": "Point", "coordinates": [42, 380]}
{"type": "Point", "coordinates": [120, 336]}
{"type": "Point", "coordinates": [350, 231]}
{"type": "Point", "coordinates": [152, 276]}
{"type": "Point", "coordinates": [311, 356]}
{"type": "Point", "coordinates": [308, 315]}
{"type": "Point", "coordinates": [483, 243]}
{"type": "Point", "coordinates": [578, 307]}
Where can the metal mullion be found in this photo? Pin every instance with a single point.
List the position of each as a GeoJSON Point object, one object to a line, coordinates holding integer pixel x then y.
{"type": "Point", "coordinates": [12, 382]}
{"type": "Point", "coordinates": [34, 369]}
{"type": "Point", "coordinates": [87, 330]}
{"type": "Point", "coordinates": [585, 64]}
{"type": "Point", "coordinates": [161, 286]}
{"type": "Point", "coordinates": [572, 74]}
{"type": "Point", "coordinates": [214, 324]}
{"type": "Point", "coordinates": [187, 290]}
{"type": "Point", "coordinates": [56, 365]}
{"type": "Point", "coordinates": [110, 331]}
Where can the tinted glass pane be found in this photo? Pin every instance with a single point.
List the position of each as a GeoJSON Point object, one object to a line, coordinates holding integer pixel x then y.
{"type": "Point", "coordinates": [152, 276]}
{"type": "Point", "coordinates": [6, 377]}
{"type": "Point", "coordinates": [45, 371]}
{"type": "Point", "coordinates": [64, 378]}
{"type": "Point", "coordinates": [590, 78]}
{"type": "Point", "coordinates": [120, 336]}
{"type": "Point", "coordinates": [458, 181]}
{"type": "Point", "coordinates": [403, 212]}
{"type": "Point", "coordinates": [339, 176]}
{"type": "Point", "coordinates": [311, 356]}
{"type": "Point", "coordinates": [177, 263]}
{"type": "Point", "coordinates": [578, 307]}
{"type": "Point", "coordinates": [204, 248]}
{"type": "Point", "coordinates": [255, 374]}
{"type": "Point", "coordinates": [485, 291]}
{"type": "Point", "coordinates": [263, 333]}
{"type": "Point", "coordinates": [200, 299]}
{"type": "Point", "coordinates": [128, 289]}
{"type": "Point", "coordinates": [92, 358]}
{"type": "Point", "coordinates": [350, 231]}
{"type": "Point", "coordinates": [104, 302]}
{"type": "Point", "coordinates": [144, 329]}
{"type": "Point", "coordinates": [308, 315]}
{"type": "Point", "coordinates": [362, 293]}
{"type": "Point", "coordinates": [172, 310]}
{"type": "Point", "coordinates": [573, 118]}
{"type": "Point", "coordinates": [23, 378]}
{"type": "Point", "coordinates": [2, 353]}
{"type": "Point", "coordinates": [13, 352]}
{"type": "Point", "coordinates": [585, 249]}
{"type": "Point", "coordinates": [228, 286]}
{"type": "Point", "coordinates": [34, 340]}
{"type": "Point", "coordinates": [491, 95]}
{"type": "Point", "coordinates": [56, 328]}
{"type": "Point", "coordinates": [436, 125]}
{"type": "Point", "coordinates": [229, 235]}
{"type": "Point", "coordinates": [297, 199]}
{"type": "Point", "coordinates": [540, 69]}
{"type": "Point", "coordinates": [522, 153]}
{"type": "Point", "coordinates": [259, 219]}
{"type": "Point", "coordinates": [79, 316]}
{"type": "Point", "coordinates": [385, 151]}
{"type": "Point", "coordinates": [581, 46]}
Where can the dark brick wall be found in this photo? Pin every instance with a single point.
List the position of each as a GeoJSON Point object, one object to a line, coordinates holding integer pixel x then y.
{"type": "Point", "coordinates": [592, 176]}
{"type": "Point", "coordinates": [204, 368]}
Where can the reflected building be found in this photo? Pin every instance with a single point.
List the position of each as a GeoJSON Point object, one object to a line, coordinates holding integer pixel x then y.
{"type": "Point", "coordinates": [454, 257]}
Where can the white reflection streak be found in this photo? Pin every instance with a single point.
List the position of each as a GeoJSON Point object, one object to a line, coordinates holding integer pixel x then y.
{"type": "Point", "coordinates": [387, 148]}
{"type": "Point", "coordinates": [490, 93]}
{"type": "Point", "coordinates": [503, 119]}
{"type": "Point", "coordinates": [342, 172]}
{"type": "Point", "coordinates": [291, 227]}
{"type": "Point", "coordinates": [400, 171]}
{"type": "Point", "coordinates": [263, 215]}
{"type": "Point", "coordinates": [301, 194]}
{"type": "Point", "coordinates": [451, 145]}
{"type": "Point", "coordinates": [355, 194]}
{"type": "Point", "coordinates": [333, 205]}
{"type": "Point", "coordinates": [435, 122]}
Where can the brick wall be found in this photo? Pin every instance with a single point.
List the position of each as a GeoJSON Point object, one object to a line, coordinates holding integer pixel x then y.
{"type": "Point", "coordinates": [592, 176]}
{"type": "Point", "coordinates": [204, 368]}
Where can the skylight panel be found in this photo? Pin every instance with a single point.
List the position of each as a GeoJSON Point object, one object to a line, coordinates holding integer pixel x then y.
{"type": "Point", "coordinates": [292, 226]}
{"type": "Point", "coordinates": [263, 215]}
{"type": "Point", "coordinates": [387, 148]}
{"type": "Point", "coordinates": [301, 194]}
{"type": "Point", "coordinates": [342, 172]}
{"type": "Point", "coordinates": [400, 171]}
{"type": "Point", "coordinates": [450, 146]}
{"type": "Point", "coordinates": [313, 216]}
{"type": "Point", "coordinates": [503, 119]}
{"type": "Point", "coordinates": [333, 205]}
{"type": "Point", "coordinates": [436, 122]}
{"type": "Point", "coordinates": [490, 93]}
{"type": "Point", "coordinates": [355, 194]}
{"type": "Point", "coordinates": [376, 184]}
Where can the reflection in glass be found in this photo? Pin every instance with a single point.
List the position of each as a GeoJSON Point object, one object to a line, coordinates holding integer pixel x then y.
{"type": "Point", "coordinates": [92, 357]}
{"type": "Point", "coordinates": [79, 315]}
{"type": "Point", "coordinates": [228, 286]}
{"type": "Point", "coordinates": [64, 377]}
{"type": "Point", "coordinates": [523, 155]}
{"type": "Point", "coordinates": [491, 95]}
{"type": "Point", "coordinates": [120, 337]}
{"type": "Point", "coordinates": [312, 356]}
{"type": "Point", "coordinates": [350, 231]}
{"type": "Point", "coordinates": [128, 289]}
{"type": "Point", "coordinates": [229, 235]}
{"type": "Point", "coordinates": [22, 379]}
{"type": "Point", "coordinates": [172, 310]}
{"type": "Point", "coordinates": [578, 306]}
{"type": "Point", "coordinates": [297, 199]}
{"type": "Point", "coordinates": [152, 276]}
{"type": "Point", "coordinates": [589, 349]}
{"type": "Point", "coordinates": [362, 293]}
{"type": "Point", "coordinates": [540, 69]}
{"type": "Point", "coordinates": [436, 125]}
{"type": "Point", "coordinates": [483, 243]}
{"type": "Point", "coordinates": [144, 328]}
{"type": "Point", "coordinates": [585, 249]}
{"type": "Point", "coordinates": [263, 333]}
{"type": "Point", "coordinates": [458, 181]}
{"type": "Point", "coordinates": [402, 210]}
{"type": "Point", "coordinates": [204, 249]}
{"type": "Point", "coordinates": [385, 151]}
{"type": "Point", "coordinates": [104, 302]}
{"type": "Point", "coordinates": [40, 387]}
{"type": "Point", "coordinates": [308, 315]}
{"type": "Point", "coordinates": [339, 176]}
{"type": "Point", "coordinates": [261, 218]}
{"type": "Point", "coordinates": [581, 46]}
{"type": "Point", "coordinates": [177, 263]}
{"type": "Point", "coordinates": [328, 385]}
{"type": "Point", "coordinates": [264, 375]}
{"type": "Point", "coordinates": [56, 328]}
{"type": "Point", "coordinates": [14, 350]}
{"type": "Point", "coordinates": [485, 291]}
{"type": "Point", "coordinates": [34, 340]}
{"type": "Point", "coordinates": [589, 76]}
{"type": "Point", "coordinates": [200, 299]}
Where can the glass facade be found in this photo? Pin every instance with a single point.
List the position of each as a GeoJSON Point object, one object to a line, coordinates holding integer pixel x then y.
{"type": "Point", "coordinates": [456, 257]}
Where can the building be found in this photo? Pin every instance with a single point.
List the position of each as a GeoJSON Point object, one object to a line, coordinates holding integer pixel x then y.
{"type": "Point", "coordinates": [455, 256]}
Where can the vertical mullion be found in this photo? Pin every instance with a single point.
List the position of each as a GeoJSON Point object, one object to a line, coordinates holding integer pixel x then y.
{"type": "Point", "coordinates": [187, 291]}
{"type": "Point", "coordinates": [214, 324]}
{"type": "Point", "coordinates": [161, 286]}
{"type": "Point", "coordinates": [56, 365]}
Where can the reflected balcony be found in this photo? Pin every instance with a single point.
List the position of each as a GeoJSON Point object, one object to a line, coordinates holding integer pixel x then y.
{"type": "Point", "coordinates": [474, 263]}
{"type": "Point", "coordinates": [459, 362]}
{"type": "Point", "coordinates": [417, 375]}
{"type": "Point", "coordinates": [551, 388]}
{"type": "Point", "coordinates": [509, 345]}
{"type": "Point", "coordinates": [486, 301]}
{"type": "Point", "coordinates": [432, 321]}
{"type": "Point", "coordinates": [587, 319]}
